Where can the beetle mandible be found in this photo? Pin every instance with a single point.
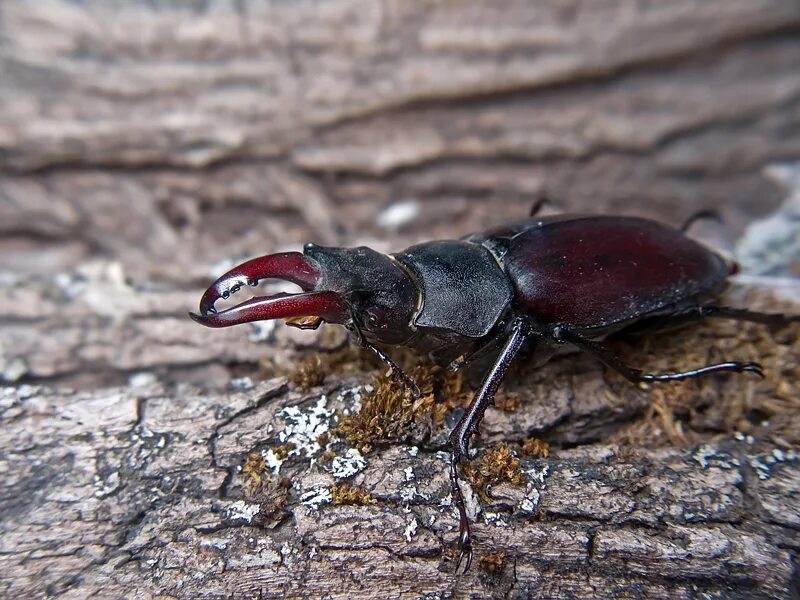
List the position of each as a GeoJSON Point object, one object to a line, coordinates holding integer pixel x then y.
{"type": "Point", "coordinates": [565, 279]}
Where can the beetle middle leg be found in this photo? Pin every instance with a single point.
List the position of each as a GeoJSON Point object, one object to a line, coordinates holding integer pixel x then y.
{"type": "Point", "coordinates": [611, 360]}
{"type": "Point", "coordinates": [461, 434]}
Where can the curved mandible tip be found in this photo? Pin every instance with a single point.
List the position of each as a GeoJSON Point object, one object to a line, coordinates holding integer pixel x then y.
{"type": "Point", "coordinates": [289, 266]}
{"type": "Point", "coordinates": [327, 305]}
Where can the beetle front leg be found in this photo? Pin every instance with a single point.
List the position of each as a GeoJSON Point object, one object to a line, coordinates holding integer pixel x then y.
{"type": "Point", "coordinates": [461, 434]}
{"type": "Point", "coordinates": [398, 374]}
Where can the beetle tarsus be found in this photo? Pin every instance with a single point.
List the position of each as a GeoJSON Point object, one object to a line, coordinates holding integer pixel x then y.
{"type": "Point", "coordinates": [464, 531]}
{"type": "Point", "coordinates": [537, 206]}
{"type": "Point", "coordinates": [731, 366]}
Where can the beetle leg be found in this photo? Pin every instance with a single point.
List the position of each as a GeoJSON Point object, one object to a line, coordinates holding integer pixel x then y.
{"type": "Point", "coordinates": [460, 436]}
{"type": "Point", "coordinates": [467, 359]}
{"type": "Point", "coordinates": [398, 374]}
{"type": "Point", "coordinates": [612, 361]}
{"type": "Point", "coordinates": [537, 206]}
{"type": "Point", "coordinates": [702, 311]}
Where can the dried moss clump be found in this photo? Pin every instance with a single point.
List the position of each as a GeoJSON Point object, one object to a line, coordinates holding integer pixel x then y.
{"type": "Point", "coordinates": [255, 467]}
{"type": "Point", "coordinates": [345, 493]}
{"type": "Point", "coordinates": [309, 373]}
{"type": "Point", "coordinates": [282, 451]}
{"type": "Point", "coordinates": [312, 370]}
{"type": "Point", "coordinates": [506, 402]}
{"type": "Point", "coordinates": [497, 465]}
{"type": "Point", "coordinates": [535, 448]}
{"type": "Point", "coordinates": [270, 494]}
{"type": "Point", "coordinates": [493, 562]}
{"type": "Point", "coordinates": [391, 413]}
{"type": "Point", "coordinates": [689, 412]}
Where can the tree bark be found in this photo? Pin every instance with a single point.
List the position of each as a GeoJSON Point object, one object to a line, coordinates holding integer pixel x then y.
{"type": "Point", "coordinates": [150, 488]}
{"type": "Point", "coordinates": [144, 148]}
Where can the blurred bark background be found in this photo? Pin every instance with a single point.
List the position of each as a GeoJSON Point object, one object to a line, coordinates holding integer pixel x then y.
{"type": "Point", "coordinates": [145, 147]}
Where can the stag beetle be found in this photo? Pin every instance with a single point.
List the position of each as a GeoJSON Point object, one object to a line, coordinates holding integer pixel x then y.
{"type": "Point", "coordinates": [566, 279]}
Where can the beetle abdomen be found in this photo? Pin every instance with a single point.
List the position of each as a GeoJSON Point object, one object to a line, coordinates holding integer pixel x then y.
{"type": "Point", "coordinates": [594, 272]}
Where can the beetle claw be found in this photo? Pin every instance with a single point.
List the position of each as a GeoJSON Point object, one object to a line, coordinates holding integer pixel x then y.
{"type": "Point", "coordinates": [466, 553]}
{"type": "Point", "coordinates": [300, 308]}
{"type": "Point", "coordinates": [289, 266]}
{"type": "Point", "coordinates": [328, 306]}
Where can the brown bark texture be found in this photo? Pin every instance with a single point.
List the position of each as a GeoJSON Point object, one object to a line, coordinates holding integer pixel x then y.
{"type": "Point", "coordinates": [147, 147]}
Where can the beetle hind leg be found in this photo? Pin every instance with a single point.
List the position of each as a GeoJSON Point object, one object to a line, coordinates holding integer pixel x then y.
{"type": "Point", "coordinates": [730, 366]}
{"type": "Point", "coordinates": [612, 361]}
{"type": "Point", "coordinates": [703, 311]}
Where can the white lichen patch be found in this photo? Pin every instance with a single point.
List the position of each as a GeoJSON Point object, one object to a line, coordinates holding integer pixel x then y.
{"type": "Point", "coordinates": [533, 495]}
{"type": "Point", "coordinates": [10, 396]}
{"type": "Point", "coordinates": [303, 427]}
{"type": "Point", "coordinates": [470, 501]}
{"type": "Point", "coordinates": [351, 399]}
{"type": "Point", "coordinates": [408, 493]}
{"type": "Point", "coordinates": [215, 544]}
{"type": "Point", "coordinates": [316, 497]}
{"type": "Point", "coordinates": [272, 461]}
{"type": "Point", "coordinates": [242, 383]}
{"type": "Point", "coordinates": [495, 518]}
{"type": "Point", "coordinates": [411, 529]}
{"type": "Point", "coordinates": [348, 465]}
{"type": "Point", "coordinates": [763, 464]}
{"type": "Point", "coordinates": [11, 369]}
{"type": "Point", "coordinates": [707, 455]}
{"type": "Point", "coordinates": [538, 476]}
{"type": "Point", "coordinates": [242, 511]}
{"type": "Point", "coordinates": [142, 379]}
{"type": "Point", "coordinates": [530, 502]}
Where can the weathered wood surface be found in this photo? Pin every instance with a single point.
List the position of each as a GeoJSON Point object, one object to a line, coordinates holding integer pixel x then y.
{"type": "Point", "coordinates": [138, 492]}
{"type": "Point", "coordinates": [144, 144]}
{"type": "Point", "coordinates": [168, 135]}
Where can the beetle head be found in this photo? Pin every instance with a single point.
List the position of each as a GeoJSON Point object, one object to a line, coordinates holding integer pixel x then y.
{"type": "Point", "coordinates": [356, 287]}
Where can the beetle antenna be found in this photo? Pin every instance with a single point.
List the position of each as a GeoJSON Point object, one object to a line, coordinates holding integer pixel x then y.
{"type": "Point", "coordinates": [702, 215]}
